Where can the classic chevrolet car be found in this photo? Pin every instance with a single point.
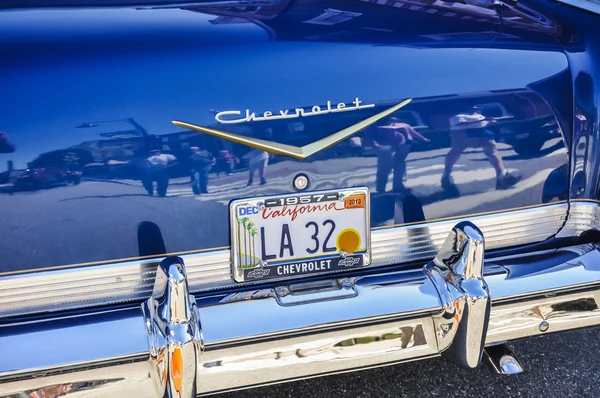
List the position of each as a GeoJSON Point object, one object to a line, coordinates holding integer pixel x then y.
{"type": "Point", "coordinates": [403, 179]}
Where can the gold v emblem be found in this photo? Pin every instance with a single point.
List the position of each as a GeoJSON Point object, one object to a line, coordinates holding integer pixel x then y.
{"type": "Point", "coordinates": [300, 153]}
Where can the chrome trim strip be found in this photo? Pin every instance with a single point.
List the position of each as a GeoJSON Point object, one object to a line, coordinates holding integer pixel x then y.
{"type": "Point", "coordinates": [549, 314]}
{"type": "Point", "coordinates": [325, 353]}
{"type": "Point", "coordinates": [126, 378]}
{"type": "Point", "coordinates": [390, 319]}
{"type": "Point", "coordinates": [131, 281]}
{"type": "Point", "coordinates": [583, 216]}
{"type": "Point", "coordinates": [86, 332]}
{"type": "Point", "coordinates": [232, 317]}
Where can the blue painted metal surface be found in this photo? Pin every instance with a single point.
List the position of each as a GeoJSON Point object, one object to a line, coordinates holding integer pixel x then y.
{"type": "Point", "coordinates": [88, 94]}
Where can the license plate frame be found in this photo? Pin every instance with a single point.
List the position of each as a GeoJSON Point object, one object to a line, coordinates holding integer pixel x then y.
{"type": "Point", "coordinates": [253, 267]}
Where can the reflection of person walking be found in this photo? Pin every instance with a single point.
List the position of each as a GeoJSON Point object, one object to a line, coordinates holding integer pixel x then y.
{"type": "Point", "coordinates": [392, 143]}
{"type": "Point", "coordinates": [257, 161]}
{"type": "Point", "coordinates": [158, 171]}
{"type": "Point", "coordinates": [469, 130]}
{"type": "Point", "coordinates": [201, 161]}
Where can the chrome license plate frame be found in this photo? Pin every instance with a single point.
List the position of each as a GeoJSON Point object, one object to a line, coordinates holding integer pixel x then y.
{"type": "Point", "coordinates": [250, 260]}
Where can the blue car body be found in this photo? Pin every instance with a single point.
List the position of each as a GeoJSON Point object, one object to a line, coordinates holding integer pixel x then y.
{"type": "Point", "coordinates": [89, 90]}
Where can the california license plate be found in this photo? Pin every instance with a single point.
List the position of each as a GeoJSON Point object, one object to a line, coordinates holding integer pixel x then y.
{"type": "Point", "coordinates": [291, 235]}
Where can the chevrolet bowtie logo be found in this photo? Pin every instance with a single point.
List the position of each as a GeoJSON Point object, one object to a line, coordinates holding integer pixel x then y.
{"type": "Point", "coordinates": [299, 153]}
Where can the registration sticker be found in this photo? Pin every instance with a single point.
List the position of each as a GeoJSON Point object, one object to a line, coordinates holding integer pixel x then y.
{"type": "Point", "coordinates": [292, 235]}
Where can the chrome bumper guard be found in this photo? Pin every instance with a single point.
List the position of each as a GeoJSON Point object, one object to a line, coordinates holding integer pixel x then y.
{"type": "Point", "coordinates": [179, 346]}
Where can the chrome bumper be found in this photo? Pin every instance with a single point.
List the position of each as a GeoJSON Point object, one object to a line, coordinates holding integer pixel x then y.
{"type": "Point", "coordinates": [181, 346]}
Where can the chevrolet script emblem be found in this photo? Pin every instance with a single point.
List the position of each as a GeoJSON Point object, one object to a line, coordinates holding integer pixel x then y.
{"type": "Point", "coordinates": [299, 153]}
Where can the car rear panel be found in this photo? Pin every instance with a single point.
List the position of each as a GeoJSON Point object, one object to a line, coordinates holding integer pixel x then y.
{"type": "Point", "coordinates": [471, 128]}
{"type": "Point", "coordinates": [94, 90]}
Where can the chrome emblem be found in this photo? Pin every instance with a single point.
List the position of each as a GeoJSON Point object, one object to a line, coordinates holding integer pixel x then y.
{"type": "Point", "coordinates": [349, 261]}
{"type": "Point", "coordinates": [258, 273]}
{"type": "Point", "coordinates": [286, 114]}
{"type": "Point", "coordinates": [296, 152]}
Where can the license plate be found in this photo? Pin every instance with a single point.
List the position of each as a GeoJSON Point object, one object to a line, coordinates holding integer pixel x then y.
{"type": "Point", "coordinates": [291, 235]}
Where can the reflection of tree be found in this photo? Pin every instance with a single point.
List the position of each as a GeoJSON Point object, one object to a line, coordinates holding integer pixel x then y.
{"type": "Point", "coordinates": [64, 157]}
{"type": "Point", "coordinates": [5, 145]}
{"type": "Point", "coordinates": [116, 153]}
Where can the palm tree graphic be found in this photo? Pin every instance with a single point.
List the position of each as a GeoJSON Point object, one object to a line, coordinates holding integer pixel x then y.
{"type": "Point", "coordinates": [247, 231]}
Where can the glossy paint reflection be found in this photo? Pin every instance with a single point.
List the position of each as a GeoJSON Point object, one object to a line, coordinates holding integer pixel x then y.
{"type": "Point", "coordinates": [64, 389]}
{"type": "Point", "coordinates": [585, 176]}
{"type": "Point", "coordinates": [96, 154]}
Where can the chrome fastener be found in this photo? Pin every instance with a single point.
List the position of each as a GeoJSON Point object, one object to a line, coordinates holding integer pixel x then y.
{"type": "Point", "coordinates": [282, 291]}
{"type": "Point", "coordinates": [347, 283]}
{"type": "Point", "coordinates": [301, 182]}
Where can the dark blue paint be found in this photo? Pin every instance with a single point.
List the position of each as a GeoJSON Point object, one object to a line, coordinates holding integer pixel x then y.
{"type": "Point", "coordinates": [585, 72]}
{"type": "Point", "coordinates": [133, 70]}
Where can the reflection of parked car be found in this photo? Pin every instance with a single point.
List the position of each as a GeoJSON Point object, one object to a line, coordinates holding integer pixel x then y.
{"type": "Point", "coordinates": [528, 137]}
{"type": "Point", "coordinates": [525, 135]}
{"type": "Point", "coordinates": [524, 119]}
{"type": "Point", "coordinates": [45, 177]}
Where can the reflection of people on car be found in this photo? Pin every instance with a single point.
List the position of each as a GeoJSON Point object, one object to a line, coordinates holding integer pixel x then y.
{"type": "Point", "coordinates": [157, 170]}
{"type": "Point", "coordinates": [5, 145]}
{"type": "Point", "coordinates": [51, 391]}
{"type": "Point", "coordinates": [201, 161]}
{"type": "Point", "coordinates": [470, 130]}
{"type": "Point", "coordinates": [257, 161]}
{"type": "Point", "coordinates": [392, 142]}
{"type": "Point", "coordinates": [355, 145]}
{"type": "Point", "coordinates": [225, 162]}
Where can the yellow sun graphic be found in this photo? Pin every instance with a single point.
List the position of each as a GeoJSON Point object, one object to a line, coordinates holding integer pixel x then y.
{"type": "Point", "coordinates": [348, 240]}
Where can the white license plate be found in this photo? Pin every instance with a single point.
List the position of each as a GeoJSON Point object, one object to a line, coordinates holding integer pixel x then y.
{"type": "Point", "coordinates": [290, 235]}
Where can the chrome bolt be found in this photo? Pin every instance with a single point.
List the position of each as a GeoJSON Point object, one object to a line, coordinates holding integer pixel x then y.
{"type": "Point", "coordinates": [282, 290]}
{"type": "Point", "coordinates": [544, 326]}
{"type": "Point", "coordinates": [260, 205]}
{"type": "Point", "coordinates": [343, 254]}
{"type": "Point", "coordinates": [263, 264]}
{"type": "Point", "coordinates": [300, 182]}
{"type": "Point", "coordinates": [347, 283]}
{"type": "Point", "coordinates": [341, 197]}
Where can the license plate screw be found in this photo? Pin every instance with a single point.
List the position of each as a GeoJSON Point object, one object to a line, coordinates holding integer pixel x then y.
{"type": "Point", "coordinates": [260, 205]}
{"type": "Point", "coordinates": [341, 197]}
{"type": "Point", "coordinates": [263, 264]}
{"type": "Point", "coordinates": [347, 283]}
{"type": "Point", "coordinates": [343, 254]}
{"type": "Point", "coordinates": [300, 182]}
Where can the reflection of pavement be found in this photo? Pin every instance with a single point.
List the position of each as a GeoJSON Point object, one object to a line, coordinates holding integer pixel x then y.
{"type": "Point", "coordinates": [97, 220]}
{"type": "Point", "coordinates": [556, 365]}
{"type": "Point", "coordinates": [473, 175]}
